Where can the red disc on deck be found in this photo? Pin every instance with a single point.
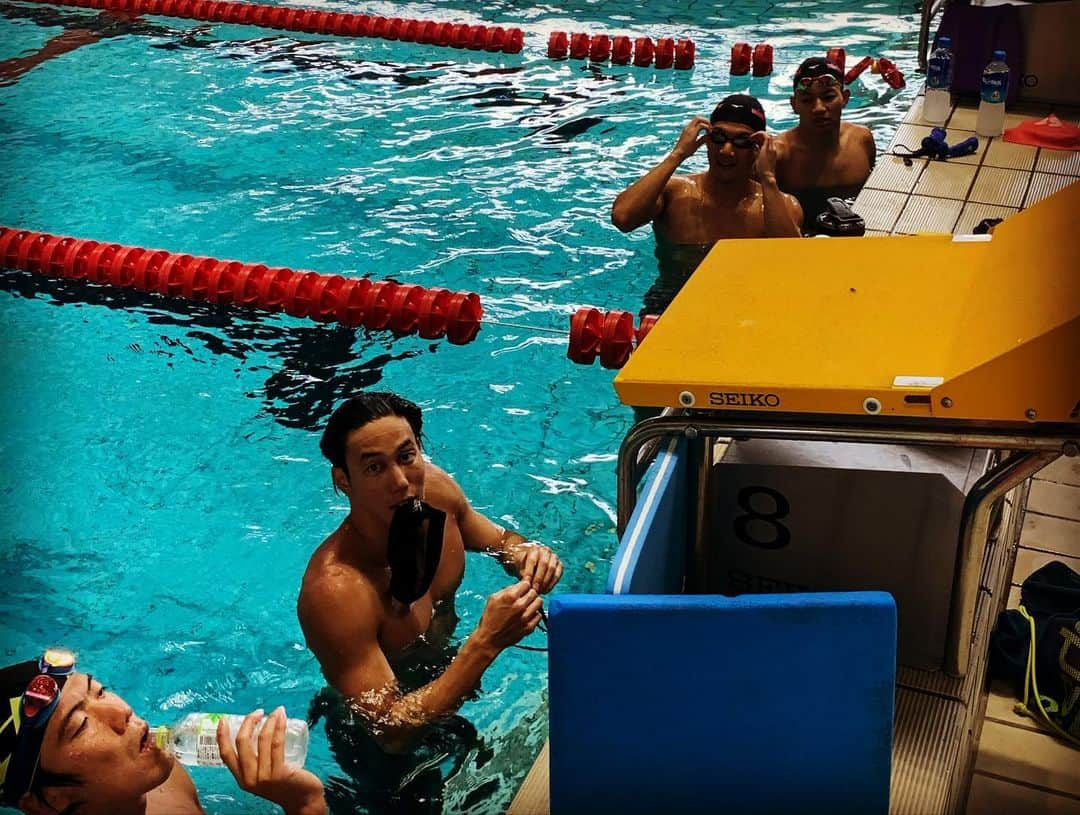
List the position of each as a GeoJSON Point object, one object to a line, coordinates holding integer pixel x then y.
{"type": "Point", "coordinates": [763, 59]}
{"type": "Point", "coordinates": [496, 38]}
{"type": "Point", "coordinates": [622, 50]}
{"type": "Point", "coordinates": [432, 317]}
{"type": "Point", "coordinates": [579, 46]}
{"type": "Point", "coordinates": [515, 41]}
{"type": "Point", "coordinates": [463, 313]}
{"type": "Point", "coordinates": [643, 51]}
{"type": "Point", "coordinates": [586, 326]}
{"type": "Point", "coordinates": [616, 339]}
{"type": "Point", "coordinates": [740, 59]}
{"type": "Point", "coordinates": [838, 57]}
{"type": "Point", "coordinates": [684, 55]}
{"type": "Point", "coordinates": [558, 45]}
{"type": "Point", "coordinates": [665, 52]}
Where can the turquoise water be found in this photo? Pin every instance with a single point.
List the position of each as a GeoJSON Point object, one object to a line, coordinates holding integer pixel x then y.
{"type": "Point", "coordinates": [162, 487]}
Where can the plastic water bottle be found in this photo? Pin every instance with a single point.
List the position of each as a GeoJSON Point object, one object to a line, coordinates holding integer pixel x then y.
{"type": "Point", "coordinates": [992, 93]}
{"type": "Point", "coordinates": [937, 104]}
{"type": "Point", "coordinates": [193, 740]}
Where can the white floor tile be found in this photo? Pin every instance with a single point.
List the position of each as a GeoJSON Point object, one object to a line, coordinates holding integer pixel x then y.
{"type": "Point", "coordinates": [1065, 162]}
{"type": "Point", "coordinates": [922, 214]}
{"type": "Point", "coordinates": [946, 180]}
{"type": "Point", "coordinates": [879, 209]}
{"type": "Point", "coordinates": [1043, 185]}
{"type": "Point", "coordinates": [994, 185]}
{"type": "Point", "coordinates": [1012, 156]}
{"type": "Point", "coordinates": [963, 118]}
{"type": "Point", "coordinates": [910, 136]}
{"type": "Point", "coordinates": [956, 136]}
{"type": "Point", "coordinates": [893, 175]}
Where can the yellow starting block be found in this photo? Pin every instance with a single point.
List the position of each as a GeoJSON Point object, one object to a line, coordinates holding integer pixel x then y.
{"type": "Point", "coordinates": [979, 329]}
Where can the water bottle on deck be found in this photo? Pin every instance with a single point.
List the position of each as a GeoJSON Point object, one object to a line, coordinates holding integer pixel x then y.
{"type": "Point", "coordinates": [193, 740]}
{"type": "Point", "coordinates": [992, 92]}
{"type": "Point", "coordinates": [937, 103]}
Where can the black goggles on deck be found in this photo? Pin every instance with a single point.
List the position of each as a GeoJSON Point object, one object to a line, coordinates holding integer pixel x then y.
{"type": "Point", "coordinates": [740, 141]}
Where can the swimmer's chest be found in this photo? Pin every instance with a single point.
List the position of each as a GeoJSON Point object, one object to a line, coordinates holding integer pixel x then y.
{"type": "Point", "coordinates": [847, 165]}
{"type": "Point", "coordinates": [400, 630]}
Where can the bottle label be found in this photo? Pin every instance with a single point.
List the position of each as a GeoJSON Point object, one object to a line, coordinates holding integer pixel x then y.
{"type": "Point", "coordinates": [938, 73]}
{"type": "Point", "coordinates": [206, 746]}
{"type": "Point", "coordinates": [995, 87]}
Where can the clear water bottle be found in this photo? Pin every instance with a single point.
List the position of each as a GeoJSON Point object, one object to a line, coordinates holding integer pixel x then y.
{"type": "Point", "coordinates": [193, 740]}
{"type": "Point", "coordinates": [992, 93]}
{"type": "Point", "coordinates": [937, 103]}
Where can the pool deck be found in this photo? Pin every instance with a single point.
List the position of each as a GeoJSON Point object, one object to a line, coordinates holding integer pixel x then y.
{"type": "Point", "coordinates": [1017, 767]}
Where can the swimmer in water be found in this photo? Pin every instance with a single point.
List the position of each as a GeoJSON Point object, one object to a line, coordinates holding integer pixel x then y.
{"type": "Point", "coordinates": [736, 197]}
{"type": "Point", "coordinates": [822, 157]}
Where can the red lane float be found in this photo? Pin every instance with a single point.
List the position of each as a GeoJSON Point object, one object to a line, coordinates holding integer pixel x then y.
{"type": "Point", "coordinates": [890, 73]}
{"type": "Point", "coordinates": [601, 48]}
{"type": "Point", "coordinates": [313, 21]}
{"type": "Point", "coordinates": [837, 57]}
{"type": "Point", "coordinates": [740, 59]}
{"type": "Point", "coordinates": [857, 69]}
{"type": "Point", "coordinates": [608, 335]}
{"type": "Point", "coordinates": [763, 59]}
{"type": "Point", "coordinates": [376, 305]}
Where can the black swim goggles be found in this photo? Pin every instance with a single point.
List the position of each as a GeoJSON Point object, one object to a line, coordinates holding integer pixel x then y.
{"type": "Point", "coordinates": [739, 141]}
{"type": "Point", "coordinates": [414, 549]}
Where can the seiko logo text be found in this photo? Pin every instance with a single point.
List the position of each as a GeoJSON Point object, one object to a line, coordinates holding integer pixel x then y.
{"type": "Point", "coordinates": [718, 399]}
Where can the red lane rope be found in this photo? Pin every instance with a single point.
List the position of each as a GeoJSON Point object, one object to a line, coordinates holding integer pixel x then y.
{"type": "Point", "coordinates": [601, 47]}
{"type": "Point", "coordinates": [405, 309]}
{"type": "Point", "coordinates": [314, 21]}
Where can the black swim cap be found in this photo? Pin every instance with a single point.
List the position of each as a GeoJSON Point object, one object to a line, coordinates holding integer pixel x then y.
{"type": "Point", "coordinates": [740, 108]}
{"type": "Point", "coordinates": [815, 67]}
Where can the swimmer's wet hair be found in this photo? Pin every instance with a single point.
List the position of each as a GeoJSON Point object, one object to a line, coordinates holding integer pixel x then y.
{"type": "Point", "coordinates": [358, 411]}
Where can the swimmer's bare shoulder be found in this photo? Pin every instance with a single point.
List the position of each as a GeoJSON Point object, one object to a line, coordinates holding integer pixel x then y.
{"type": "Point", "coordinates": [443, 492]}
{"type": "Point", "coordinates": [339, 608]}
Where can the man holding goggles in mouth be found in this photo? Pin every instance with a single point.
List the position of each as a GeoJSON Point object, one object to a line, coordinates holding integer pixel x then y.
{"type": "Point", "coordinates": [68, 745]}
{"type": "Point", "coordinates": [735, 197]}
{"type": "Point", "coordinates": [380, 590]}
{"type": "Point", "coordinates": [822, 157]}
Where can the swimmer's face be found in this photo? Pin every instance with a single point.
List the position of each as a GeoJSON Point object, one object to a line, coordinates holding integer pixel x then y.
{"type": "Point", "coordinates": [94, 735]}
{"type": "Point", "coordinates": [729, 161]}
{"type": "Point", "coordinates": [385, 468]}
{"type": "Point", "coordinates": [819, 104]}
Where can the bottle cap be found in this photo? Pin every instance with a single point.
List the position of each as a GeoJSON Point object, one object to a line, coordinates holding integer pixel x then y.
{"type": "Point", "coordinates": [944, 42]}
{"type": "Point", "coordinates": [999, 55]}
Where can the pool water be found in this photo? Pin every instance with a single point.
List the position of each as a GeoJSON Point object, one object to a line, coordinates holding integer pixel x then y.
{"type": "Point", "coordinates": [163, 488]}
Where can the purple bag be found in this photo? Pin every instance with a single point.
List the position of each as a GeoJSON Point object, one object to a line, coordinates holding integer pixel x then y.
{"type": "Point", "coordinates": [976, 32]}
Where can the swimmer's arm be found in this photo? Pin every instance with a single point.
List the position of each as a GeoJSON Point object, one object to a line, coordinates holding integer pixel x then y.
{"type": "Point", "coordinates": [12, 69]}
{"type": "Point", "coordinates": [342, 631]}
{"type": "Point", "coordinates": [871, 147]}
{"type": "Point", "coordinates": [645, 199]}
{"type": "Point", "coordinates": [783, 213]}
{"type": "Point", "coordinates": [520, 557]}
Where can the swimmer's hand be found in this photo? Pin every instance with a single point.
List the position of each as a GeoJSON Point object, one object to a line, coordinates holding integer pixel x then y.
{"type": "Point", "coordinates": [259, 765]}
{"type": "Point", "coordinates": [765, 165]}
{"type": "Point", "coordinates": [537, 564]}
{"type": "Point", "coordinates": [509, 615]}
{"type": "Point", "coordinates": [691, 138]}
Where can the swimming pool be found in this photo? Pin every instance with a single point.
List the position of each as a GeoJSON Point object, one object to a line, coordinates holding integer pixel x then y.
{"type": "Point", "coordinates": [162, 486]}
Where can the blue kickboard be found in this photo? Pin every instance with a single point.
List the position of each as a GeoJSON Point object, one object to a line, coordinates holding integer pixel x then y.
{"type": "Point", "coordinates": [707, 704]}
